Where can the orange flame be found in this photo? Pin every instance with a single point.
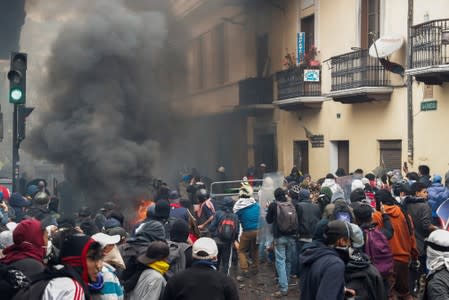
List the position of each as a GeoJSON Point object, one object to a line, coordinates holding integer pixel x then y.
{"type": "Point", "coordinates": [141, 212]}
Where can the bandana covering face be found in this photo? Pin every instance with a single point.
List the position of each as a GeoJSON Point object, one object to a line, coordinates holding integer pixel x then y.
{"type": "Point", "coordinates": [160, 266]}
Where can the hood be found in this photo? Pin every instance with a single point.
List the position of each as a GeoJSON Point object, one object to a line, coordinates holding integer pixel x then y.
{"type": "Point", "coordinates": [150, 231]}
{"type": "Point", "coordinates": [357, 262]}
{"type": "Point", "coordinates": [243, 203]}
{"type": "Point", "coordinates": [392, 210]}
{"type": "Point", "coordinates": [315, 252]}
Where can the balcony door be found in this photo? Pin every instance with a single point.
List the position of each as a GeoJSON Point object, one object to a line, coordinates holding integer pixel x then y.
{"type": "Point", "coordinates": [308, 26]}
{"type": "Point", "coordinates": [301, 156]}
{"type": "Point", "coordinates": [369, 22]}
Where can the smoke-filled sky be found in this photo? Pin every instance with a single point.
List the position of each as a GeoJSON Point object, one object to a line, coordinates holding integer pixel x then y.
{"type": "Point", "coordinates": [100, 71]}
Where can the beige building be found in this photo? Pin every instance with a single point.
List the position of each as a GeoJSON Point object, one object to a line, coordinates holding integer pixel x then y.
{"type": "Point", "coordinates": [347, 112]}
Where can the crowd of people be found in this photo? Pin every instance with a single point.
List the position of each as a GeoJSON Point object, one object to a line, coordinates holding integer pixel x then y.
{"type": "Point", "coordinates": [356, 236]}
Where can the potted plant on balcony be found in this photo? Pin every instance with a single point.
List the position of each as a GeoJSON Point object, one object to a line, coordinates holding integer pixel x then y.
{"type": "Point", "coordinates": [309, 58]}
{"type": "Point", "coordinates": [289, 61]}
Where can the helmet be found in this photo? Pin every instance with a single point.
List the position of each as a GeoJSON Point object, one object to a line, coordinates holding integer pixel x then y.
{"type": "Point", "coordinates": [202, 195]}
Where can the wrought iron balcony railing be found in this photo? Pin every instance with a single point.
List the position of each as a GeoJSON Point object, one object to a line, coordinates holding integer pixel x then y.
{"type": "Point", "coordinates": [430, 44]}
{"type": "Point", "coordinates": [291, 84]}
{"type": "Point", "coordinates": [357, 69]}
{"type": "Point", "coordinates": [256, 91]}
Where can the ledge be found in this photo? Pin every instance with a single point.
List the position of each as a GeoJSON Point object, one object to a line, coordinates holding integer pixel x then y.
{"type": "Point", "coordinates": [432, 75]}
{"type": "Point", "coordinates": [362, 94]}
{"type": "Point", "coordinates": [300, 102]}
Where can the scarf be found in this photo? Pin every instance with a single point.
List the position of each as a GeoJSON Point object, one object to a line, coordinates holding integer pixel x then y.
{"type": "Point", "coordinates": [160, 266]}
{"type": "Point", "coordinates": [23, 250]}
{"type": "Point", "coordinates": [243, 203]}
{"type": "Point", "coordinates": [436, 260]}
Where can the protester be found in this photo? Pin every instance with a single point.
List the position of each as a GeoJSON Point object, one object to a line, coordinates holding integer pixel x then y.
{"type": "Point", "coordinates": [150, 281]}
{"type": "Point", "coordinates": [323, 264]}
{"type": "Point", "coordinates": [437, 194]}
{"type": "Point", "coordinates": [438, 265]}
{"type": "Point", "coordinates": [201, 281]}
{"type": "Point", "coordinates": [402, 244]}
{"type": "Point", "coordinates": [248, 211]}
{"type": "Point", "coordinates": [282, 214]}
{"type": "Point", "coordinates": [225, 229]}
{"type": "Point", "coordinates": [206, 211]}
{"type": "Point", "coordinates": [180, 250]}
{"type": "Point", "coordinates": [28, 251]}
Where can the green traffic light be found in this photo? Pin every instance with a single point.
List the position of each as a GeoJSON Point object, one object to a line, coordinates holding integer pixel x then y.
{"type": "Point", "coordinates": [16, 95]}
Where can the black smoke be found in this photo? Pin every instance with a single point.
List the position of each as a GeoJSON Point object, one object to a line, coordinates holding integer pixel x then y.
{"type": "Point", "coordinates": [12, 16]}
{"type": "Point", "coordinates": [107, 86]}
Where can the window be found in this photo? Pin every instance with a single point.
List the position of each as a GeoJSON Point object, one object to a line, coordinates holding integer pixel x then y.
{"type": "Point", "coordinates": [220, 54]}
{"type": "Point", "coordinates": [369, 22]}
{"type": "Point", "coordinates": [198, 65]}
{"type": "Point", "coordinates": [308, 26]}
{"type": "Point", "coordinates": [390, 154]}
{"type": "Point", "coordinates": [262, 56]}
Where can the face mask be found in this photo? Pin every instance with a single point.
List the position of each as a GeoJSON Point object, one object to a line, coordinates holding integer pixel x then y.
{"type": "Point", "coordinates": [48, 249]}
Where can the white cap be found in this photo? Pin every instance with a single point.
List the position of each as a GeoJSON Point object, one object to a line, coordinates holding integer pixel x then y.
{"type": "Point", "coordinates": [206, 245]}
{"type": "Point", "coordinates": [105, 239]}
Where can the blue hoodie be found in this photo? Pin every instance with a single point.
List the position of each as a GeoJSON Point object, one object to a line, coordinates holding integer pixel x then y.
{"type": "Point", "coordinates": [322, 273]}
{"type": "Point", "coordinates": [438, 193]}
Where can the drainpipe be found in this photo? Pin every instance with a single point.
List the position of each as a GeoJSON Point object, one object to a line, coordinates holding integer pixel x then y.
{"type": "Point", "coordinates": [410, 145]}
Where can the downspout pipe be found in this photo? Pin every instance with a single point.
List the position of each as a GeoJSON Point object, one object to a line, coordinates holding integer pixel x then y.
{"type": "Point", "coordinates": [410, 142]}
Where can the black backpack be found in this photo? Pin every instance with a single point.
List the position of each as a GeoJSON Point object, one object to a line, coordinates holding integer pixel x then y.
{"type": "Point", "coordinates": [228, 228]}
{"type": "Point", "coordinates": [38, 283]}
{"type": "Point", "coordinates": [286, 218]}
{"type": "Point", "coordinates": [11, 281]}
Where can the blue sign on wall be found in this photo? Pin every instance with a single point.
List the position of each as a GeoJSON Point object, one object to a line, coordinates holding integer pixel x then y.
{"type": "Point", "coordinates": [300, 46]}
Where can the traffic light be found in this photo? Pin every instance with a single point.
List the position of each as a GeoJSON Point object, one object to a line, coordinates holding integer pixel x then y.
{"type": "Point", "coordinates": [17, 78]}
{"type": "Point", "coordinates": [23, 113]}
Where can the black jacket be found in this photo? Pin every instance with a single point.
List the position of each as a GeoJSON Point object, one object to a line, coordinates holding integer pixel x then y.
{"type": "Point", "coordinates": [309, 214]}
{"type": "Point", "coordinates": [200, 282]}
{"type": "Point", "coordinates": [421, 214]}
{"type": "Point", "coordinates": [322, 273]}
{"type": "Point", "coordinates": [438, 286]}
{"type": "Point", "coordinates": [364, 278]}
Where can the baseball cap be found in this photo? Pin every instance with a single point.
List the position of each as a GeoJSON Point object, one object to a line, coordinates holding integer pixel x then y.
{"type": "Point", "coordinates": [204, 248]}
{"type": "Point", "coordinates": [105, 239]}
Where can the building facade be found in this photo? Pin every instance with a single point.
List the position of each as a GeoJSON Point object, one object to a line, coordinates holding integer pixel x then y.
{"type": "Point", "coordinates": [339, 107]}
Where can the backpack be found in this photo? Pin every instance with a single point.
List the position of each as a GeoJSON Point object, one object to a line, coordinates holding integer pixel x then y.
{"type": "Point", "coordinates": [228, 228]}
{"type": "Point", "coordinates": [342, 212]}
{"type": "Point", "coordinates": [286, 218]}
{"type": "Point", "coordinates": [38, 283]}
{"type": "Point", "coordinates": [177, 257]}
{"type": "Point", "coordinates": [11, 281]}
{"type": "Point", "coordinates": [378, 250]}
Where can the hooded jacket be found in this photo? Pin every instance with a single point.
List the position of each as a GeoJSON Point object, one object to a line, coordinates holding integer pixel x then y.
{"type": "Point", "coordinates": [438, 193]}
{"type": "Point", "coordinates": [322, 273]}
{"type": "Point", "coordinates": [421, 214]}
{"type": "Point", "coordinates": [248, 211]}
{"type": "Point", "coordinates": [403, 242]}
{"type": "Point", "coordinates": [309, 215]}
{"type": "Point", "coordinates": [364, 278]}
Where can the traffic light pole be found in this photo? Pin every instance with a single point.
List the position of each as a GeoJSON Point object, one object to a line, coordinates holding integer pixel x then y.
{"type": "Point", "coordinates": [15, 151]}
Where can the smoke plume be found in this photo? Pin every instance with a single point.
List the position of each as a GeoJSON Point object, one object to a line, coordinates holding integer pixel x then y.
{"type": "Point", "coordinates": [105, 88]}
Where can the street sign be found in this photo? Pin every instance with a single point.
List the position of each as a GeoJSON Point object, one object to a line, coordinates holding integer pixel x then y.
{"type": "Point", "coordinates": [429, 105]}
{"type": "Point", "coordinates": [312, 75]}
{"type": "Point", "coordinates": [300, 46]}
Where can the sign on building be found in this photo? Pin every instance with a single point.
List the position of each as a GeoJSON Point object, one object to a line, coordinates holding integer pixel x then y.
{"type": "Point", "coordinates": [429, 105]}
{"type": "Point", "coordinates": [300, 46]}
{"type": "Point", "coordinates": [312, 75]}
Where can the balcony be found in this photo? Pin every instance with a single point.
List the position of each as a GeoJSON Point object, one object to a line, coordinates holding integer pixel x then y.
{"type": "Point", "coordinates": [294, 91]}
{"type": "Point", "coordinates": [256, 92]}
{"type": "Point", "coordinates": [357, 77]}
{"type": "Point", "coordinates": [430, 52]}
